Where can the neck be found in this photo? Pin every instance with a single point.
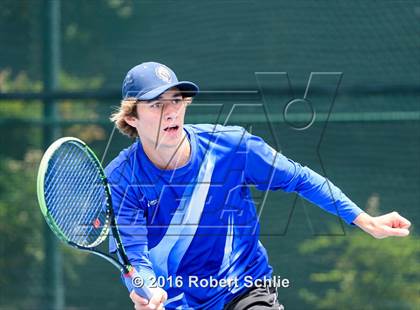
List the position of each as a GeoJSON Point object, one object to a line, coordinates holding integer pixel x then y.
{"type": "Point", "coordinates": [169, 158]}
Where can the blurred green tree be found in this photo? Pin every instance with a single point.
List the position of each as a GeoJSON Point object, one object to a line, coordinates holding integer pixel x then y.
{"type": "Point", "coordinates": [21, 223]}
{"type": "Point", "coordinates": [366, 273]}
{"type": "Point", "coordinates": [20, 233]}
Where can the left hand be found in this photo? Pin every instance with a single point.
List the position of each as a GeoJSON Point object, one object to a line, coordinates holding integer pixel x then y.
{"type": "Point", "coordinates": [390, 224]}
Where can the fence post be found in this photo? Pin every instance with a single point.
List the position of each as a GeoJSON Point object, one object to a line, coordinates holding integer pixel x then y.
{"type": "Point", "coordinates": [53, 297]}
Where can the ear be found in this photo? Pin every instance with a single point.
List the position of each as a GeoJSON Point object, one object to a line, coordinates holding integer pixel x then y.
{"type": "Point", "coordinates": [131, 120]}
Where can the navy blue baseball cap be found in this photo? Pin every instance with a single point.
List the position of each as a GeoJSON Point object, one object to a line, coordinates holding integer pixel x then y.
{"type": "Point", "coordinates": [149, 80]}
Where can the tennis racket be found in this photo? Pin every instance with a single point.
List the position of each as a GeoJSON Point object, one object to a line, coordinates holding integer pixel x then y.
{"type": "Point", "coordinates": [75, 200]}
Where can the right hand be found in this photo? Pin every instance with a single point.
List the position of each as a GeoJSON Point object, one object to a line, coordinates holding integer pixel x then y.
{"type": "Point", "coordinates": [159, 296]}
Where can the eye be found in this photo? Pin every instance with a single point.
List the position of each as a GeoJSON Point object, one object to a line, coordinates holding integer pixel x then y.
{"type": "Point", "coordinates": [177, 100]}
{"type": "Point", "coordinates": [155, 105]}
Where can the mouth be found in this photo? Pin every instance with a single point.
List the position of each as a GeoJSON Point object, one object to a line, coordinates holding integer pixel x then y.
{"type": "Point", "coordinates": [172, 128]}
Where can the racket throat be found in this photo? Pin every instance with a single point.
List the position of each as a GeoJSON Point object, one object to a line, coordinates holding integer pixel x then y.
{"type": "Point", "coordinates": [128, 271]}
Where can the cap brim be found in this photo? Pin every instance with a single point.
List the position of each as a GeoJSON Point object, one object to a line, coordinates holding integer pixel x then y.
{"type": "Point", "coordinates": [188, 89]}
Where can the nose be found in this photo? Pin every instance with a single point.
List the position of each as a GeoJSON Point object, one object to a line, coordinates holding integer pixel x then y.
{"type": "Point", "coordinates": [170, 112]}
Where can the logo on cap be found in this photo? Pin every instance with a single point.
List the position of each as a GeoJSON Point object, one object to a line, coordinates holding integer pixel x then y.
{"type": "Point", "coordinates": [164, 74]}
{"type": "Point", "coordinates": [128, 80]}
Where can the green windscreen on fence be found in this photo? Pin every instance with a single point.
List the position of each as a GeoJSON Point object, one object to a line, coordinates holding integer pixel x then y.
{"type": "Point", "coordinates": [355, 63]}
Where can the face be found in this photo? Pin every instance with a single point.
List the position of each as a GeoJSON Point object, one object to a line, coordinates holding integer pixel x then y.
{"type": "Point", "coordinates": [160, 121]}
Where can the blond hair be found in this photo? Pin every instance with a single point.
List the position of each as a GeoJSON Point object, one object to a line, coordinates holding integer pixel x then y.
{"type": "Point", "coordinates": [128, 107]}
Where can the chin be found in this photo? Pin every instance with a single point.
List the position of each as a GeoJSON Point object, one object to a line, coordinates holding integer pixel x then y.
{"type": "Point", "coordinates": [165, 142]}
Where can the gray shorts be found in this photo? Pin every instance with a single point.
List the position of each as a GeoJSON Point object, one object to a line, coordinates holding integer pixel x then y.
{"type": "Point", "coordinates": [257, 298]}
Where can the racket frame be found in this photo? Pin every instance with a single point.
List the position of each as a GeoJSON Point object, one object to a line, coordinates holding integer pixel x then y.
{"type": "Point", "coordinates": [125, 267]}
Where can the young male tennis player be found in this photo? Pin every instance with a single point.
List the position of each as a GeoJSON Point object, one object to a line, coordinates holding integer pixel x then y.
{"type": "Point", "coordinates": [183, 204]}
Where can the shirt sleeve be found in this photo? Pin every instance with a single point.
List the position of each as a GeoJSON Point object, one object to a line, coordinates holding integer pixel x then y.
{"type": "Point", "coordinates": [268, 169]}
{"type": "Point", "coordinates": [132, 227]}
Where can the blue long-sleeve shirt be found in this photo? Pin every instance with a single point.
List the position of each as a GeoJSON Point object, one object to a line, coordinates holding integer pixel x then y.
{"type": "Point", "coordinates": [198, 222]}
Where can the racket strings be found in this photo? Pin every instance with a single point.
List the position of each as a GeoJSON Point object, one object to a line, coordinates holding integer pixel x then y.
{"type": "Point", "coordinates": [75, 199]}
{"type": "Point", "coordinates": [66, 187]}
{"type": "Point", "coordinates": [81, 215]}
{"type": "Point", "coordinates": [75, 195]}
{"type": "Point", "coordinates": [83, 199]}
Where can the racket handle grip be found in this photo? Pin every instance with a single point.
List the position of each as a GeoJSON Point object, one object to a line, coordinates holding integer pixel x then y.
{"type": "Point", "coordinates": [135, 281]}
